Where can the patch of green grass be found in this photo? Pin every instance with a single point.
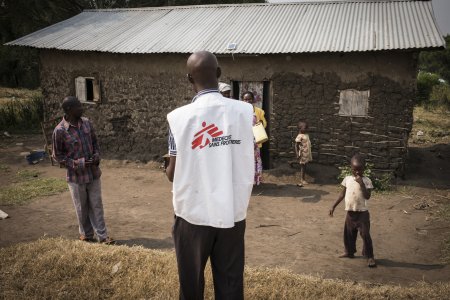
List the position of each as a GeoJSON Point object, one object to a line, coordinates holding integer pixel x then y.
{"type": "Point", "coordinates": [4, 168]}
{"type": "Point", "coordinates": [27, 174]}
{"type": "Point", "coordinates": [22, 192]}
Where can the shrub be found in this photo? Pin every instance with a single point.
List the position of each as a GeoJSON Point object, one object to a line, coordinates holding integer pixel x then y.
{"type": "Point", "coordinates": [380, 183]}
{"type": "Point", "coordinates": [22, 115]}
{"type": "Point", "coordinates": [425, 83]}
{"type": "Point", "coordinates": [439, 97]}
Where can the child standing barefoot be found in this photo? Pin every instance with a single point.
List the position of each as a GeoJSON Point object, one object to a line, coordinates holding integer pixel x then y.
{"type": "Point", "coordinates": [303, 150]}
{"type": "Point", "coordinates": [356, 191]}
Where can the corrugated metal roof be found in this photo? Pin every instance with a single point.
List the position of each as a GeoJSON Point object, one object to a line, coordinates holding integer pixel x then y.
{"type": "Point", "coordinates": [335, 26]}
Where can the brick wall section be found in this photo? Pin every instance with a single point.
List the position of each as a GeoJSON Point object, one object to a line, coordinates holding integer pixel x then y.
{"type": "Point", "coordinates": [139, 90]}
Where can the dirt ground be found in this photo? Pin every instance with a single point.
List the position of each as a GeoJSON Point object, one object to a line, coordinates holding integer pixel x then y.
{"type": "Point", "coordinates": [287, 226]}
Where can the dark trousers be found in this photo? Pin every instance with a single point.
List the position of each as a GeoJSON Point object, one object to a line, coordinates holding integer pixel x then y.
{"type": "Point", "coordinates": [354, 222]}
{"type": "Point", "coordinates": [194, 244]}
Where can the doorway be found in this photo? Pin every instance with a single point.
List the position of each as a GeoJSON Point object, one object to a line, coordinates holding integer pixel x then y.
{"type": "Point", "coordinates": [261, 91]}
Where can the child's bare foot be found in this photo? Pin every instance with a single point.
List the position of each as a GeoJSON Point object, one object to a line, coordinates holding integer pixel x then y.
{"type": "Point", "coordinates": [371, 263]}
{"type": "Point", "coordinates": [346, 255]}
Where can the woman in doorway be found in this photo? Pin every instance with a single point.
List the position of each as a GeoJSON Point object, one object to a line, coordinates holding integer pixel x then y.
{"type": "Point", "coordinates": [258, 117]}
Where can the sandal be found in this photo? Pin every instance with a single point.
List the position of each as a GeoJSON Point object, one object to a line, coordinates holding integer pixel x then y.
{"type": "Point", "coordinates": [371, 263]}
{"type": "Point", "coordinates": [84, 238]}
{"type": "Point", "coordinates": [300, 184]}
{"type": "Point", "coordinates": [108, 241]}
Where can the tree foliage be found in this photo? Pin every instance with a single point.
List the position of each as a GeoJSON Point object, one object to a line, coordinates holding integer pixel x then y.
{"type": "Point", "coordinates": [19, 66]}
{"type": "Point", "coordinates": [437, 61]}
{"type": "Point", "coordinates": [433, 80]}
{"type": "Point", "coordinates": [425, 83]}
{"type": "Point", "coordinates": [440, 96]}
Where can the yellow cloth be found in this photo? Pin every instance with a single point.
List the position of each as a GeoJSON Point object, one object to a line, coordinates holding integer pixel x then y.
{"type": "Point", "coordinates": [259, 113]}
{"type": "Point", "coordinates": [260, 116]}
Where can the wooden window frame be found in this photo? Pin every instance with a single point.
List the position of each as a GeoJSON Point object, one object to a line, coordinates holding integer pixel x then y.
{"type": "Point", "coordinates": [354, 105]}
{"type": "Point", "coordinates": [81, 91]}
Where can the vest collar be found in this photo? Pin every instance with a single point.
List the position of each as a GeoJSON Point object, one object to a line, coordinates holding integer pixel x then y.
{"type": "Point", "coordinates": [204, 92]}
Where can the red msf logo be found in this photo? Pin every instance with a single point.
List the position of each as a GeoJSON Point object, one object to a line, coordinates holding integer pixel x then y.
{"type": "Point", "coordinates": [212, 130]}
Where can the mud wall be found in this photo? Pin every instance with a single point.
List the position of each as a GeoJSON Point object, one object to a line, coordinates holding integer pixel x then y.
{"type": "Point", "coordinates": [139, 90]}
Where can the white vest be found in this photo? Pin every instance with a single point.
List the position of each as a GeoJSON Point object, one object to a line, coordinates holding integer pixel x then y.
{"type": "Point", "coordinates": [215, 167]}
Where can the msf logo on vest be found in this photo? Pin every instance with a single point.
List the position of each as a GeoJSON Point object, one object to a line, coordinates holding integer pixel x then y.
{"type": "Point", "coordinates": [211, 136]}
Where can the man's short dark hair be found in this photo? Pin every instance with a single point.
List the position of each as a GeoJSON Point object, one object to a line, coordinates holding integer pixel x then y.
{"type": "Point", "coordinates": [249, 93]}
{"type": "Point", "coordinates": [302, 121]}
{"type": "Point", "coordinates": [68, 102]}
{"type": "Point", "coordinates": [359, 159]}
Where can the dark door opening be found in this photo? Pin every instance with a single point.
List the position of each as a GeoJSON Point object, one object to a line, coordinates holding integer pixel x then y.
{"type": "Point", "coordinates": [89, 89]}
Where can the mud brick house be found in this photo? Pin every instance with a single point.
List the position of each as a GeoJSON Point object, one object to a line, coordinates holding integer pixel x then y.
{"type": "Point", "coordinates": [347, 67]}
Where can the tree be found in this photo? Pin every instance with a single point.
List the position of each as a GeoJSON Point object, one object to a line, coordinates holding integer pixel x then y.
{"type": "Point", "coordinates": [425, 83]}
{"type": "Point", "coordinates": [19, 66]}
{"type": "Point", "coordinates": [437, 61]}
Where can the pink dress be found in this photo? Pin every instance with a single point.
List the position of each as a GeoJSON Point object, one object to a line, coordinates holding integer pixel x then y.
{"type": "Point", "coordinates": [258, 161]}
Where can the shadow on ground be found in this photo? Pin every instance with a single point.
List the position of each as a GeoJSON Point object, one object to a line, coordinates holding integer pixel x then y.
{"type": "Point", "coordinates": [305, 194]}
{"type": "Point", "coordinates": [397, 264]}
{"type": "Point", "coordinates": [428, 166]}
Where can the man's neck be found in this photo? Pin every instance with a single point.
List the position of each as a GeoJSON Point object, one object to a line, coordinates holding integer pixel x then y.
{"type": "Point", "coordinates": [200, 88]}
{"type": "Point", "coordinates": [72, 120]}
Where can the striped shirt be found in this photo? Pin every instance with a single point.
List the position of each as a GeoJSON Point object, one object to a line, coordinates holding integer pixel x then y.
{"type": "Point", "coordinates": [72, 146]}
{"type": "Point", "coordinates": [172, 145]}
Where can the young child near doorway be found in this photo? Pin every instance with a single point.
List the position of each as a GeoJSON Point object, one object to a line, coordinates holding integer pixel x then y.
{"type": "Point", "coordinates": [303, 150]}
{"type": "Point", "coordinates": [356, 192]}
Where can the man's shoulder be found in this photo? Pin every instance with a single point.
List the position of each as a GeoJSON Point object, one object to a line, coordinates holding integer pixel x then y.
{"type": "Point", "coordinates": [60, 126]}
{"type": "Point", "coordinates": [240, 105]}
{"type": "Point", "coordinates": [179, 110]}
{"type": "Point", "coordinates": [347, 180]}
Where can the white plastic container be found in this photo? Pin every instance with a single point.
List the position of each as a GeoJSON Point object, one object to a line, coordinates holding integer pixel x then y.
{"type": "Point", "coordinates": [259, 133]}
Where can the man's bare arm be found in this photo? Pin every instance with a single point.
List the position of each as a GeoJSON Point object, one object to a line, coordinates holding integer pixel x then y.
{"type": "Point", "coordinates": [170, 171]}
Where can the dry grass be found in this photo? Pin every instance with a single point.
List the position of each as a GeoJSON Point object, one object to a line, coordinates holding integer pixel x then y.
{"type": "Point", "coordinates": [62, 269]}
{"type": "Point", "coordinates": [13, 94]}
{"type": "Point", "coordinates": [435, 125]}
{"type": "Point", "coordinates": [30, 185]}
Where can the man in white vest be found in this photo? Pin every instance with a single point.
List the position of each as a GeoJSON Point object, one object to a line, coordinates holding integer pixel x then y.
{"type": "Point", "coordinates": [211, 167]}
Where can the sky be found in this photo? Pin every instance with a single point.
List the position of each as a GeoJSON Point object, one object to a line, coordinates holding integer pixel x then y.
{"type": "Point", "coordinates": [441, 10]}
